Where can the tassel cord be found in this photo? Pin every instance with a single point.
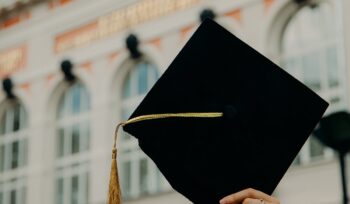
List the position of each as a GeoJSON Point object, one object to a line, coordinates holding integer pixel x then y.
{"type": "Point", "coordinates": [161, 116]}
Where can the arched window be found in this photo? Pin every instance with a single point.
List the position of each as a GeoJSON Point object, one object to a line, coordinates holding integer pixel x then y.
{"type": "Point", "coordinates": [13, 153]}
{"type": "Point", "coordinates": [72, 146]}
{"type": "Point", "coordinates": [311, 52]}
{"type": "Point", "coordinates": [139, 175]}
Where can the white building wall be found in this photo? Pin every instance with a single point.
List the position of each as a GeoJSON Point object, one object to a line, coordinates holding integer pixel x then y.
{"type": "Point", "coordinates": [316, 183]}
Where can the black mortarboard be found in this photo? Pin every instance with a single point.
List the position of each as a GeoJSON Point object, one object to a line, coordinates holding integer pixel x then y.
{"type": "Point", "coordinates": [246, 118]}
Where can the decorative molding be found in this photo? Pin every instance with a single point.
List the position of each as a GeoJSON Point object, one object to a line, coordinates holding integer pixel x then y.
{"type": "Point", "coordinates": [14, 20]}
{"type": "Point", "coordinates": [12, 60]}
{"type": "Point", "coordinates": [124, 18]}
{"type": "Point", "coordinates": [17, 8]}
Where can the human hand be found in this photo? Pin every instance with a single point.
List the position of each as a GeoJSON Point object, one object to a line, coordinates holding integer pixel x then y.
{"type": "Point", "coordinates": [249, 196]}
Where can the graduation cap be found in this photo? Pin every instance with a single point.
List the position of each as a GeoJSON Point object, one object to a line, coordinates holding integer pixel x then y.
{"type": "Point", "coordinates": [222, 118]}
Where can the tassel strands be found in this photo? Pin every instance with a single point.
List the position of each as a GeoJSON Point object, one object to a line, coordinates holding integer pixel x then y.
{"type": "Point", "coordinates": [114, 196]}
{"type": "Point", "coordinates": [114, 192]}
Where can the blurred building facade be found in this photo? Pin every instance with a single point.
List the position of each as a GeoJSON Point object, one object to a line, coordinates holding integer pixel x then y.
{"type": "Point", "coordinates": [56, 136]}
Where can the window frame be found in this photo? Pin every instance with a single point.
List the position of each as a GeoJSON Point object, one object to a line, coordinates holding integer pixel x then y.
{"type": "Point", "coordinates": [128, 148]}
{"type": "Point", "coordinates": [325, 91]}
{"type": "Point", "coordinates": [71, 164]}
{"type": "Point", "coordinates": [14, 178]}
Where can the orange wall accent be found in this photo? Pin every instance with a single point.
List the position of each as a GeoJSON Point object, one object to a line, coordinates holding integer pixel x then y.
{"type": "Point", "coordinates": [185, 31]}
{"type": "Point", "coordinates": [157, 42]}
{"type": "Point", "coordinates": [14, 20]}
{"type": "Point", "coordinates": [27, 15]}
{"type": "Point", "coordinates": [122, 19]}
{"type": "Point", "coordinates": [49, 78]}
{"type": "Point", "coordinates": [113, 56]}
{"type": "Point", "coordinates": [57, 3]}
{"type": "Point", "coordinates": [25, 87]}
{"type": "Point", "coordinates": [87, 66]}
{"type": "Point", "coordinates": [12, 60]}
{"type": "Point", "coordinates": [63, 2]}
{"type": "Point", "coordinates": [11, 21]}
{"type": "Point", "coordinates": [267, 5]}
{"type": "Point", "coordinates": [62, 42]}
{"type": "Point", "coordinates": [235, 14]}
{"type": "Point", "coordinates": [51, 5]}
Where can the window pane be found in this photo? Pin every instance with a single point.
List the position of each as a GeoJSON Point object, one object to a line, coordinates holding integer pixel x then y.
{"type": "Point", "coordinates": [75, 139]}
{"type": "Point", "coordinates": [16, 117]}
{"type": "Point", "coordinates": [7, 158]}
{"type": "Point", "coordinates": [85, 100]}
{"type": "Point", "coordinates": [311, 71]}
{"type": "Point", "coordinates": [60, 140]}
{"type": "Point", "coordinates": [335, 100]}
{"type": "Point", "coordinates": [290, 65]}
{"type": "Point", "coordinates": [86, 192]}
{"type": "Point", "coordinates": [126, 178]}
{"type": "Point", "coordinates": [23, 195]}
{"type": "Point", "coordinates": [22, 117]}
{"type": "Point", "coordinates": [75, 190]}
{"type": "Point", "coordinates": [297, 160]}
{"type": "Point", "coordinates": [332, 67]}
{"type": "Point", "coordinates": [162, 183]}
{"type": "Point", "coordinates": [316, 148]}
{"type": "Point", "coordinates": [9, 120]}
{"type": "Point", "coordinates": [153, 75]}
{"type": "Point", "coordinates": [2, 157]}
{"type": "Point", "coordinates": [1, 198]}
{"type": "Point", "coordinates": [24, 152]}
{"type": "Point", "coordinates": [59, 191]}
{"type": "Point", "coordinates": [13, 119]}
{"type": "Point", "coordinates": [14, 159]}
{"type": "Point", "coordinates": [127, 86]}
{"type": "Point", "coordinates": [3, 124]}
{"type": "Point", "coordinates": [76, 99]}
{"type": "Point", "coordinates": [85, 136]}
{"type": "Point", "coordinates": [61, 107]}
{"type": "Point", "coordinates": [142, 78]}
{"type": "Point", "coordinates": [143, 176]}
{"type": "Point", "coordinates": [13, 197]}
{"type": "Point", "coordinates": [126, 112]}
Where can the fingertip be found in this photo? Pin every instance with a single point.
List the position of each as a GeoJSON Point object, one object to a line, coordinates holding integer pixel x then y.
{"type": "Point", "coordinates": [222, 201]}
{"type": "Point", "coordinates": [251, 201]}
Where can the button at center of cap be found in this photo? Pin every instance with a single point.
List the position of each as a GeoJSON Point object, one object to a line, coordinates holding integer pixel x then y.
{"type": "Point", "coordinates": [230, 112]}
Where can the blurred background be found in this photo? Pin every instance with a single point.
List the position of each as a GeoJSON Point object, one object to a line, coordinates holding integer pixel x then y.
{"type": "Point", "coordinates": [72, 69]}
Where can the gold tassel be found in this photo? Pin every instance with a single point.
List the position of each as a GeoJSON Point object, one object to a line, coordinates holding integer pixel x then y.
{"type": "Point", "coordinates": [114, 192]}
